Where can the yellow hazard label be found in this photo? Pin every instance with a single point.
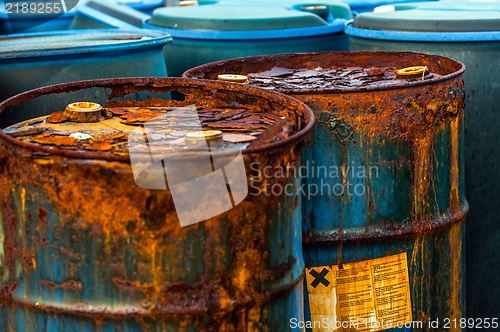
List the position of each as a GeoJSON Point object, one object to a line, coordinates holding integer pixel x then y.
{"type": "Point", "coordinates": [369, 296]}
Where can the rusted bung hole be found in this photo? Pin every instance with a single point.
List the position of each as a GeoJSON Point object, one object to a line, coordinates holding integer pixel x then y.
{"type": "Point", "coordinates": [233, 78]}
{"type": "Point", "coordinates": [82, 106]}
{"type": "Point", "coordinates": [155, 211]}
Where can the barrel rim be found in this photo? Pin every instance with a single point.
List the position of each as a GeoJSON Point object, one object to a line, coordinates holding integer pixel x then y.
{"type": "Point", "coordinates": [335, 28]}
{"type": "Point", "coordinates": [155, 82]}
{"type": "Point", "coordinates": [198, 71]}
{"type": "Point", "coordinates": [421, 36]}
{"type": "Point", "coordinates": [373, 233]}
{"type": "Point", "coordinates": [158, 39]}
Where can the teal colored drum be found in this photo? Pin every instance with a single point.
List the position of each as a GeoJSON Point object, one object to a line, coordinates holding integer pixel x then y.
{"type": "Point", "coordinates": [203, 34]}
{"type": "Point", "coordinates": [33, 60]}
{"type": "Point", "coordinates": [469, 32]}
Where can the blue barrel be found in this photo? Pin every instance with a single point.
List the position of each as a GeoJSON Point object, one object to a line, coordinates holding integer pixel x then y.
{"type": "Point", "coordinates": [326, 9]}
{"type": "Point", "coordinates": [86, 246]}
{"type": "Point", "coordinates": [469, 32]}
{"type": "Point", "coordinates": [209, 33]}
{"type": "Point", "coordinates": [95, 14]}
{"type": "Point", "coordinates": [124, 14]}
{"type": "Point", "coordinates": [33, 60]}
{"type": "Point", "coordinates": [15, 19]}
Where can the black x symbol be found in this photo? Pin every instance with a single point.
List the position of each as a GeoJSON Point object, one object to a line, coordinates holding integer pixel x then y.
{"type": "Point", "coordinates": [319, 278]}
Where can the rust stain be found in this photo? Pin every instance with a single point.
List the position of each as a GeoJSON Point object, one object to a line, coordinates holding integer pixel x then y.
{"type": "Point", "coordinates": [7, 290]}
{"type": "Point", "coordinates": [69, 284]}
{"type": "Point", "coordinates": [125, 283]}
{"type": "Point", "coordinates": [455, 168]}
{"type": "Point", "coordinates": [456, 297]}
{"type": "Point", "coordinates": [42, 214]}
{"type": "Point", "coordinates": [69, 253]}
{"type": "Point", "coordinates": [10, 225]}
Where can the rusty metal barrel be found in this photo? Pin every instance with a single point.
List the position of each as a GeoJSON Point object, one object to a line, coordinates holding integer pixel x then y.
{"type": "Point", "coordinates": [382, 184]}
{"type": "Point", "coordinates": [129, 211]}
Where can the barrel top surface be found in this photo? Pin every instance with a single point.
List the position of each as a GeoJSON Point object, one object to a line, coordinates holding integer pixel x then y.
{"type": "Point", "coordinates": [462, 16]}
{"type": "Point", "coordinates": [107, 132]}
{"type": "Point", "coordinates": [339, 9]}
{"type": "Point", "coordinates": [69, 42]}
{"type": "Point", "coordinates": [233, 18]}
{"type": "Point", "coordinates": [334, 72]}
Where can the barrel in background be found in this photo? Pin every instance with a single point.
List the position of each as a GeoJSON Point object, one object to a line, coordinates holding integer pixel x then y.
{"type": "Point", "coordinates": [107, 15]}
{"type": "Point", "coordinates": [33, 60]}
{"type": "Point", "coordinates": [85, 248]}
{"type": "Point", "coordinates": [406, 140]}
{"type": "Point", "coordinates": [362, 6]}
{"type": "Point", "coordinates": [209, 33]}
{"type": "Point", "coordinates": [469, 32]}
{"type": "Point", "coordinates": [27, 16]}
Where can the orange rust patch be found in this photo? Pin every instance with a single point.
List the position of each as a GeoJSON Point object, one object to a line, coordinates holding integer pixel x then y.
{"type": "Point", "coordinates": [139, 117]}
{"type": "Point", "coordinates": [100, 145]}
{"type": "Point", "coordinates": [55, 140]}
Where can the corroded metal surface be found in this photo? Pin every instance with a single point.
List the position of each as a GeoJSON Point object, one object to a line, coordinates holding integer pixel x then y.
{"type": "Point", "coordinates": [85, 248]}
{"type": "Point", "coordinates": [402, 144]}
{"type": "Point", "coordinates": [172, 127]}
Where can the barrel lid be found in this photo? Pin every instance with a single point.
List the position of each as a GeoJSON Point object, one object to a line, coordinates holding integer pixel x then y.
{"type": "Point", "coordinates": [334, 72]}
{"type": "Point", "coordinates": [170, 130]}
{"type": "Point", "coordinates": [446, 16]}
{"type": "Point", "coordinates": [233, 18]}
{"type": "Point", "coordinates": [69, 42]}
{"type": "Point", "coordinates": [247, 118]}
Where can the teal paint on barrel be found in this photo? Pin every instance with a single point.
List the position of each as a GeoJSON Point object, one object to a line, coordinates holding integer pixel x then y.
{"type": "Point", "coordinates": [383, 182]}
{"type": "Point", "coordinates": [209, 33]}
{"type": "Point", "coordinates": [84, 248]}
{"type": "Point", "coordinates": [468, 32]}
{"type": "Point", "coordinates": [29, 61]}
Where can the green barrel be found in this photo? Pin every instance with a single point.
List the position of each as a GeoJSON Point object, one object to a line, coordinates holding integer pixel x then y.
{"type": "Point", "coordinates": [382, 185]}
{"type": "Point", "coordinates": [123, 218]}
{"type": "Point", "coordinates": [468, 32]}
{"type": "Point", "coordinates": [203, 34]}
